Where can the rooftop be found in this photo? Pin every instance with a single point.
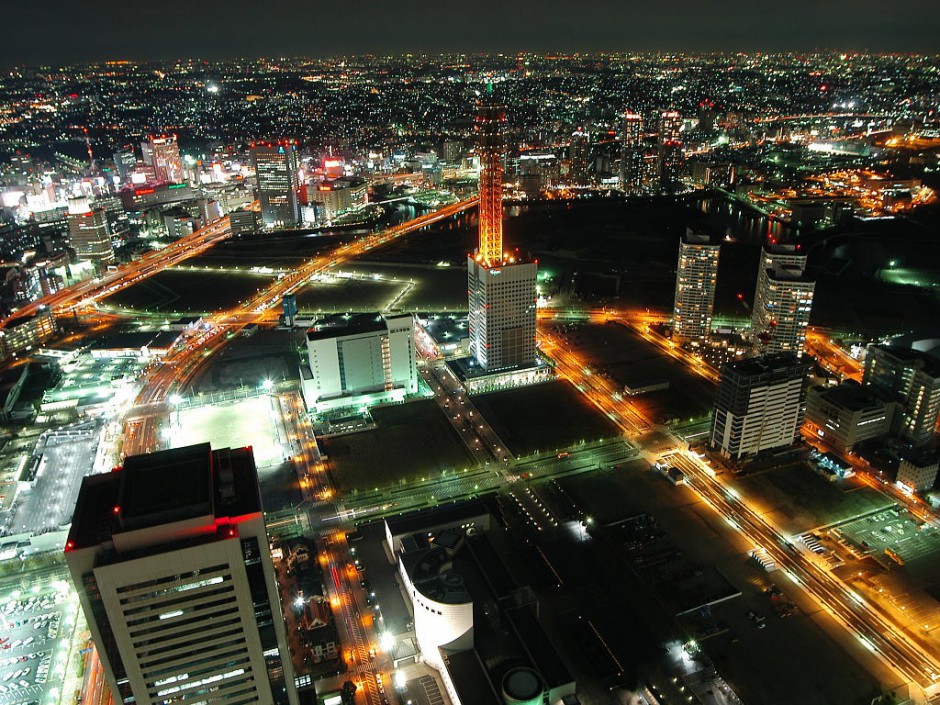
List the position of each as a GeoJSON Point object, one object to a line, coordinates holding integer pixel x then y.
{"type": "Point", "coordinates": [340, 325]}
{"type": "Point", "coordinates": [165, 487]}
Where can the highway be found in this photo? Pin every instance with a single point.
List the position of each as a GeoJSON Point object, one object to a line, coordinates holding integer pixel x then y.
{"type": "Point", "coordinates": [84, 294]}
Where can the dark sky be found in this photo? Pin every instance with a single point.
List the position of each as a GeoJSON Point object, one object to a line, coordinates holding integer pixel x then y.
{"type": "Point", "coordinates": [63, 31]}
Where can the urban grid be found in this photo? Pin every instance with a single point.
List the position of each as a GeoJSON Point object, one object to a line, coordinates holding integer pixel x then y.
{"type": "Point", "coordinates": [525, 378]}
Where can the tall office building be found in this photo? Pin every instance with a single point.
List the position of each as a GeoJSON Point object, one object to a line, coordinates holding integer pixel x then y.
{"type": "Point", "coordinates": [760, 404]}
{"type": "Point", "coordinates": [696, 276]}
{"type": "Point", "coordinates": [276, 169]}
{"type": "Point", "coordinates": [579, 156]}
{"type": "Point", "coordinates": [632, 154]}
{"type": "Point", "coordinates": [89, 234]}
{"type": "Point", "coordinates": [670, 151]}
{"type": "Point", "coordinates": [911, 378]}
{"type": "Point", "coordinates": [783, 301]}
{"type": "Point", "coordinates": [164, 153]}
{"type": "Point", "coordinates": [501, 289]}
{"type": "Point", "coordinates": [171, 563]}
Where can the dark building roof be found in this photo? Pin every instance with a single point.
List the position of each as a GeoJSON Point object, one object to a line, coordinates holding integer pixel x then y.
{"type": "Point", "coordinates": [445, 514]}
{"type": "Point", "coordinates": [850, 395]}
{"type": "Point", "coordinates": [165, 487]}
{"type": "Point", "coordinates": [348, 324]}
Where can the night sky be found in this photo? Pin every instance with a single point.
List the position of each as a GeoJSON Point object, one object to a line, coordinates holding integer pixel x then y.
{"type": "Point", "coordinates": [65, 31]}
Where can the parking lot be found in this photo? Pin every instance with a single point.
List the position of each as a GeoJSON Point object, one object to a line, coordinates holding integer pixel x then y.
{"type": "Point", "coordinates": [893, 529]}
{"type": "Point", "coordinates": [36, 625]}
{"type": "Point", "coordinates": [64, 457]}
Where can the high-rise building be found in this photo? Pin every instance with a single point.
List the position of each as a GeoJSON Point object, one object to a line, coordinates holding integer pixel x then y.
{"type": "Point", "coordinates": [632, 154]}
{"type": "Point", "coordinates": [165, 157]}
{"type": "Point", "coordinates": [696, 276]}
{"type": "Point", "coordinates": [359, 359]}
{"type": "Point", "coordinates": [276, 169]}
{"type": "Point", "coordinates": [125, 161]}
{"type": "Point", "coordinates": [579, 155]}
{"type": "Point", "coordinates": [89, 234]}
{"type": "Point", "coordinates": [501, 288]}
{"type": "Point", "coordinates": [783, 301]}
{"type": "Point", "coordinates": [670, 151]}
{"type": "Point", "coordinates": [759, 405]}
{"type": "Point", "coordinates": [912, 378]}
{"type": "Point", "coordinates": [171, 563]}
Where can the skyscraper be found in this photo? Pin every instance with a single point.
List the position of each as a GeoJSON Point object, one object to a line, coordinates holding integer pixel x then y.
{"type": "Point", "coordinates": [759, 405]}
{"type": "Point", "coordinates": [89, 234]}
{"type": "Point", "coordinates": [501, 289]}
{"type": "Point", "coordinates": [165, 156]}
{"type": "Point", "coordinates": [632, 154]}
{"type": "Point", "coordinates": [783, 301]}
{"type": "Point", "coordinates": [171, 563]}
{"type": "Point", "coordinates": [276, 170]}
{"type": "Point", "coordinates": [670, 151]}
{"type": "Point", "coordinates": [696, 276]}
{"type": "Point", "coordinates": [911, 378]}
{"type": "Point", "coordinates": [578, 155]}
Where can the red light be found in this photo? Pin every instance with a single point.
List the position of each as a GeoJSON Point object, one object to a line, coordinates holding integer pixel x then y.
{"type": "Point", "coordinates": [117, 509]}
{"type": "Point", "coordinates": [69, 546]}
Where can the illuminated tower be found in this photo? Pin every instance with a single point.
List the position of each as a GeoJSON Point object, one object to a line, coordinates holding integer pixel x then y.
{"type": "Point", "coordinates": [501, 289]}
{"type": "Point", "coordinates": [696, 276]}
{"type": "Point", "coordinates": [491, 118]}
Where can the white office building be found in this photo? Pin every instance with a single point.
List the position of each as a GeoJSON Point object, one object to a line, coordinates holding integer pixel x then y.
{"type": "Point", "coordinates": [783, 301]}
{"type": "Point", "coordinates": [696, 277]}
{"type": "Point", "coordinates": [502, 313]}
{"type": "Point", "coordinates": [172, 566]}
{"type": "Point", "coordinates": [760, 405]}
{"type": "Point", "coordinates": [359, 360]}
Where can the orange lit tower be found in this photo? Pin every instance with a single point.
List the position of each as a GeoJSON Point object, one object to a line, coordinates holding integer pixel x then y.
{"type": "Point", "coordinates": [501, 288]}
{"type": "Point", "coordinates": [490, 122]}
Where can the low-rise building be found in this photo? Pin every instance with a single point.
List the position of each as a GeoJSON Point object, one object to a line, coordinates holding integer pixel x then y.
{"type": "Point", "coordinates": [358, 360]}
{"type": "Point", "coordinates": [848, 414]}
{"type": "Point", "coordinates": [918, 473]}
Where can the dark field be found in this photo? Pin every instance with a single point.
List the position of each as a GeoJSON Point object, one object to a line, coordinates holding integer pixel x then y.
{"type": "Point", "coordinates": [543, 417]}
{"type": "Point", "coordinates": [411, 441]}
{"type": "Point", "coordinates": [190, 292]}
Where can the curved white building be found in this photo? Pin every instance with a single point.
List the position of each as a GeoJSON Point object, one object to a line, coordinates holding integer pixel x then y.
{"type": "Point", "coordinates": [443, 609]}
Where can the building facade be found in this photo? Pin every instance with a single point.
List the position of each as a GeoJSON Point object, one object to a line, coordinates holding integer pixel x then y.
{"type": "Point", "coordinates": [171, 563]}
{"type": "Point", "coordinates": [783, 301]}
{"type": "Point", "coordinates": [166, 159]}
{"type": "Point", "coordinates": [912, 378]}
{"type": "Point", "coordinates": [89, 234]}
{"type": "Point", "coordinates": [696, 277]}
{"type": "Point", "coordinates": [632, 153]}
{"type": "Point", "coordinates": [339, 195]}
{"type": "Point", "coordinates": [364, 359]}
{"type": "Point", "coordinates": [276, 170]}
{"type": "Point", "coordinates": [759, 405]}
{"type": "Point", "coordinates": [848, 414]}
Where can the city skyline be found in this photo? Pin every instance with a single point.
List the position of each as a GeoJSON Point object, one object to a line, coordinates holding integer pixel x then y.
{"type": "Point", "coordinates": [213, 30]}
{"type": "Point", "coordinates": [379, 381]}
